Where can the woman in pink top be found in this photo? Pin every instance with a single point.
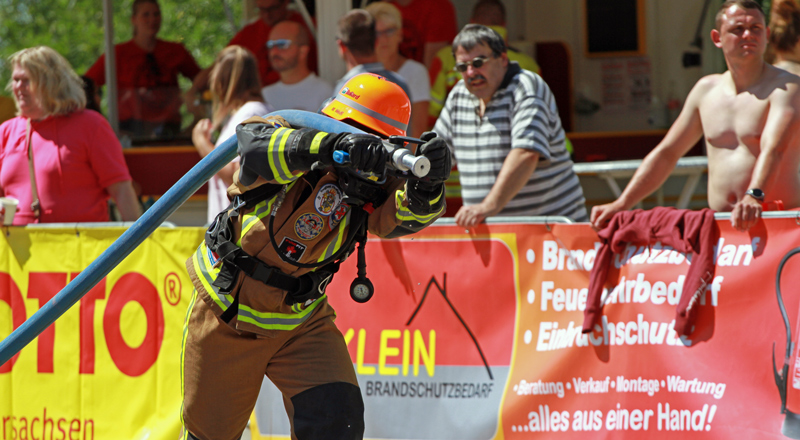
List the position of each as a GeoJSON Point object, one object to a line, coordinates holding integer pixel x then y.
{"type": "Point", "coordinates": [75, 157]}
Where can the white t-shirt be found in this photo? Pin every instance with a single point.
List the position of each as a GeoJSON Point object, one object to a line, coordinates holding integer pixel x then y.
{"type": "Point", "coordinates": [217, 190]}
{"type": "Point", "coordinates": [308, 94]}
{"type": "Point", "coordinates": [416, 76]}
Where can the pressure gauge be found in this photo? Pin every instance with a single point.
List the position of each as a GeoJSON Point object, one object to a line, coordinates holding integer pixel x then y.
{"type": "Point", "coordinates": [361, 290]}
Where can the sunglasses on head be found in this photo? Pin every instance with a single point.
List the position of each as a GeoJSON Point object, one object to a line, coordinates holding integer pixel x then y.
{"type": "Point", "coordinates": [280, 44]}
{"type": "Point", "coordinates": [476, 63]}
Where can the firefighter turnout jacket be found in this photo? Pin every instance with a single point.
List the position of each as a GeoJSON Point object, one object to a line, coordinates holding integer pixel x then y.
{"type": "Point", "coordinates": [312, 221]}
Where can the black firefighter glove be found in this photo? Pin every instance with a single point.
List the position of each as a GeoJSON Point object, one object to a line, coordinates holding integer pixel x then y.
{"type": "Point", "coordinates": [366, 152]}
{"type": "Point", "coordinates": [425, 196]}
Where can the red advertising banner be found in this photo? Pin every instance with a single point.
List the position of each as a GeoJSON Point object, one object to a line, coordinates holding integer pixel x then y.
{"type": "Point", "coordinates": [478, 336]}
{"type": "Point", "coordinates": [470, 335]}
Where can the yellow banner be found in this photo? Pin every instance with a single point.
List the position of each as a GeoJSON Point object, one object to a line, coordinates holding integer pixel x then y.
{"type": "Point", "coordinates": [110, 366]}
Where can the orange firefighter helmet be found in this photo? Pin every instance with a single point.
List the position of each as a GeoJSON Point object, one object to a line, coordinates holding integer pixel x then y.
{"type": "Point", "coordinates": [374, 102]}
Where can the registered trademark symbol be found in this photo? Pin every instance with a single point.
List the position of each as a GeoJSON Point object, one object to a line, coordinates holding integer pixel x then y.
{"type": "Point", "coordinates": [172, 288]}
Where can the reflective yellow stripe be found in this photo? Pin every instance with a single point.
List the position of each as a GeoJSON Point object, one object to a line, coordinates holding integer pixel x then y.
{"type": "Point", "coordinates": [316, 141]}
{"type": "Point", "coordinates": [436, 200]}
{"type": "Point", "coordinates": [405, 214]}
{"type": "Point", "coordinates": [261, 210]}
{"type": "Point", "coordinates": [271, 150]}
{"type": "Point", "coordinates": [183, 348]}
{"type": "Point", "coordinates": [277, 159]}
{"type": "Point", "coordinates": [282, 158]}
{"type": "Point", "coordinates": [276, 321]}
{"type": "Point", "coordinates": [207, 273]}
{"type": "Point", "coordinates": [335, 244]}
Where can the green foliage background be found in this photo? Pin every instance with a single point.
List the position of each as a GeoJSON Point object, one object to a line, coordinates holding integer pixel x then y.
{"type": "Point", "coordinates": [74, 28]}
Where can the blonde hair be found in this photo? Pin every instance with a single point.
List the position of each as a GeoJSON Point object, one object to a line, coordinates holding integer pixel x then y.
{"type": "Point", "coordinates": [55, 85]}
{"type": "Point", "coordinates": [234, 82]}
{"type": "Point", "coordinates": [784, 25]}
{"type": "Point", "coordinates": [386, 11]}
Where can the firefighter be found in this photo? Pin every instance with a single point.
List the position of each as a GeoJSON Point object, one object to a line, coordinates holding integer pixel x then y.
{"type": "Point", "coordinates": [259, 306]}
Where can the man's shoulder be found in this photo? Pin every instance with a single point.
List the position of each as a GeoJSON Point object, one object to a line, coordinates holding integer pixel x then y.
{"type": "Point", "coordinates": [783, 84]}
{"type": "Point", "coordinates": [312, 82]}
{"type": "Point", "coordinates": [708, 84]}
{"type": "Point", "coordinates": [714, 79]}
{"type": "Point", "coordinates": [313, 79]}
{"type": "Point", "coordinates": [525, 83]}
{"type": "Point", "coordinates": [252, 30]}
{"type": "Point", "coordinates": [460, 89]}
{"type": "Point", "coordinates": [413, 67]}
{"type": "Point", "coordinates": [278, 85]}
{"type": "Point", "coordinates": [253, 26]}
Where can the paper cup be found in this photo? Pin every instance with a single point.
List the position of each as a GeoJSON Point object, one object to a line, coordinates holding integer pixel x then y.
{"type": "Point", "coordinates": [10, 206]}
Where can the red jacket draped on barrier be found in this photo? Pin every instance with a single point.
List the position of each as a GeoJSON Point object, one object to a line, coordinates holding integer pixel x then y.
{"type": "Point", "coordinates": [686, 231]}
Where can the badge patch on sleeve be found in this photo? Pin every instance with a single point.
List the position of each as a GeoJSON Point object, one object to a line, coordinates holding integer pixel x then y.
{"type": "Point", "coordinates": [328, 199]}
{"type": "Point", "coordinates": [308, 226]}
{"type": "Point", "coordinates": [338, 214]}
{"type": "Point", "coordinates": [292, 249]}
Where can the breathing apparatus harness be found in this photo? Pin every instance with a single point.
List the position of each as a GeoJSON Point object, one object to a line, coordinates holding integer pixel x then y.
{"type": "Point", "coordinates": [363, 193]}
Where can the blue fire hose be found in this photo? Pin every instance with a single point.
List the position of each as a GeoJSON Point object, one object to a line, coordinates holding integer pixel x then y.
{"type": "Point", "coordinates": [143, 227]}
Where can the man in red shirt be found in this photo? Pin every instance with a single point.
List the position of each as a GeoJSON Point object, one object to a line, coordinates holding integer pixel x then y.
{"type": "Point", "coordinates": [147, 93]}
{"type": "Point", "coordinates": [254, 36]}
{"type": "Point", "coordinates": [149, 98]}
{"type": "Point", "coordinates": [428, 25]}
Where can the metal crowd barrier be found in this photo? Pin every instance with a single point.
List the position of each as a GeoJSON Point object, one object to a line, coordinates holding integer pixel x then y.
{"type": "Point", "coordinates": [691, 167]}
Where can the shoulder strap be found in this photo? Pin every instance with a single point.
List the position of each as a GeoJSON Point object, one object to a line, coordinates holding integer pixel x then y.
{"type": "Point", "coordinates": [252, 197]}
{"type": "Point", "coordinates": [35, 205]}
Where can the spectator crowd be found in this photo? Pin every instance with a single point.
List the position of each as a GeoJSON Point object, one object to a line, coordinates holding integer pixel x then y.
{"type": "Point", "coordinates": [270, 64]}
{"type": "Point", "coordinates": [518, 164]}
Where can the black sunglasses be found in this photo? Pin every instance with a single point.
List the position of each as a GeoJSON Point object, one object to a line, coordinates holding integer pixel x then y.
{"type": "Point", "coordinates": [476, 63]}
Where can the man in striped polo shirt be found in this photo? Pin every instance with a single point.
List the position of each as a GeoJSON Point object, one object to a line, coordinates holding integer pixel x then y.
{"type": "Point", "coordinates": [502, 126]}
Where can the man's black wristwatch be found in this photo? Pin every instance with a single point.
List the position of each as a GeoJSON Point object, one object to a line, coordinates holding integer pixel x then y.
{"type": "Point", "coordinates": [756, 194]}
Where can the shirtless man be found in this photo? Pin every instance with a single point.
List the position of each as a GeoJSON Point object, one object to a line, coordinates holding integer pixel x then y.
{"type": "Point", "coordinates": [749, 117]}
